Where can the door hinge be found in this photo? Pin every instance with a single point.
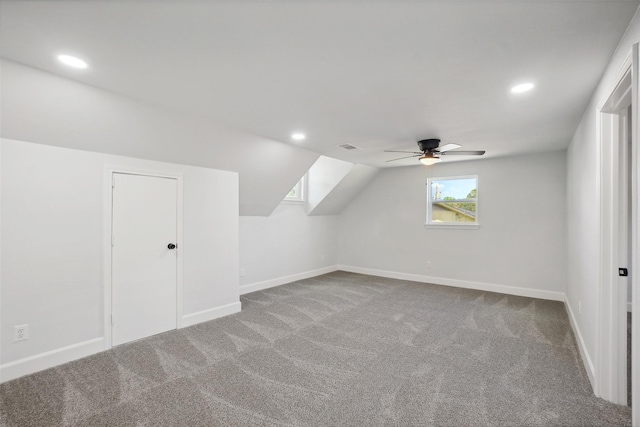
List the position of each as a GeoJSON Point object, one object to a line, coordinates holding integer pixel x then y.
{"type": "Point", "coordinates": [112, 319]}
{"type": "Point", "coordinates": [113, 181]}
{"type": "Point", "coordinates": [113, 240]}
{"type": "Point", "coordinates": [623, 272]}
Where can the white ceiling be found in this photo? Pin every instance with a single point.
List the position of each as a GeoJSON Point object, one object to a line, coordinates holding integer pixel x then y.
{"type": "Point", "coordinates": [378, 75]}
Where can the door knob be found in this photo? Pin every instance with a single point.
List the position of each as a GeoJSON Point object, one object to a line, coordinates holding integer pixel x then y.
{"type": "Point", "coordinates": [171, 246]}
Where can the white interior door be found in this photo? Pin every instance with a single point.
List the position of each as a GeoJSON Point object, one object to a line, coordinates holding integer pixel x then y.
{"type": "Point", "coordinates": [144, 268]}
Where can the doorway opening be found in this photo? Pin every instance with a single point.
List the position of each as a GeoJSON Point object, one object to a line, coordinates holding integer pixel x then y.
{"type": "Point", "coordinates": [617, 241]}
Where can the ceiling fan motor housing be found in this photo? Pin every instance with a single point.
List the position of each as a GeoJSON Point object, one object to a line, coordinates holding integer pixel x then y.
{"type": "Point", "coordinates": [428, 144]}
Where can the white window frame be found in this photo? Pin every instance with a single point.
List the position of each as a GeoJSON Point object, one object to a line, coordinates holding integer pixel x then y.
{"type": "Point", "coordinates": [300, 192]}
{"type": "Point", "coordinates": [456, 225]}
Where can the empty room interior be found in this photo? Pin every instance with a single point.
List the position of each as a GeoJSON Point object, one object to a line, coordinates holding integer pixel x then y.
{"type": "Point", "coordinates": [319, 213]}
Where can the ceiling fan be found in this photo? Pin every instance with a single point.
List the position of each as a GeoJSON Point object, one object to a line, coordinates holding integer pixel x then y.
{"type": "Point", "coordinates": [430, 151]}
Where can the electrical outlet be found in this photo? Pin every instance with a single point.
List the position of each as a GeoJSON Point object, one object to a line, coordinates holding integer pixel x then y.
{"type": "Point", "coordinates": [21, 332]}
{"type": "Point", "coordinates": [579, 307]}
{"type": "Point", "coordinates": [242, 272]}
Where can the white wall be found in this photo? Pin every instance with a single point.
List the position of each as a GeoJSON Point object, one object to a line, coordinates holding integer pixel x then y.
{"type": "Point", "coordinates": [520, 246]}
{"type": "Point", "coordinates": [286, 246]}
{"type": "Point", "coordinates": [296, 242]}
{"type": "Point", "coordinates": [584, 205]}
{"type": "Point", "coordinates": [48, 109]}
{"type": "Point", "coordinates": [53, 209]}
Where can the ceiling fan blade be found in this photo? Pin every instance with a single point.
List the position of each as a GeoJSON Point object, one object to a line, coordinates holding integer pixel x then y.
{"type": "Point", "coordinates": [410, 152]}
{"type": "Point", "coordinates": [407, 157]}
{"type": "Point", "coordinates": [448, 147]}
{"type": "Point", "coordinates": [464, 153]}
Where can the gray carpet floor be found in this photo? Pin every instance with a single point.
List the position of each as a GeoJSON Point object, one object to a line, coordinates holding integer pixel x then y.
{"type": "Point", "coordinates": [341, 349]}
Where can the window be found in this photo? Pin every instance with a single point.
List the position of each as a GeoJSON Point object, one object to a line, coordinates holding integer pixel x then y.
{"type": "Point", "coordinates": [297, 192]}
{"type": "Point", "coordinates": [452, 201]}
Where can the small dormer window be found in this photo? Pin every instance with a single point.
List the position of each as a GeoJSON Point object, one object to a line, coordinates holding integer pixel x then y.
{"type": "Point", "coordinates": [297, 192]}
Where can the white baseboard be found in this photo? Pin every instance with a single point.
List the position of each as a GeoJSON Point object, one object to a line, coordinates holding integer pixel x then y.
{"type": "Point", "coordinates": [210, 314]}
{"type": "Point", "coordinates": [503, 289]}
{"type": "Point", "coordinates": [258, 286]}
{"type": "Point", "coordinates": [49, 359]}
{"type": "Point", "coordinates": [588, 364]}
{"type": "Point", "coordinates": [511, 290]}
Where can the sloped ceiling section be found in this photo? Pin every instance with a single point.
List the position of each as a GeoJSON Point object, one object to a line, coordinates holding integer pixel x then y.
{"type": "Point", "coordinates": [379, 75]}
{"type": "Point", "coordinates": [323, 177]}
{"type": "Point", "coordinates": [334, 183]}
{"type": "Point", "coordinates": [43, 108]}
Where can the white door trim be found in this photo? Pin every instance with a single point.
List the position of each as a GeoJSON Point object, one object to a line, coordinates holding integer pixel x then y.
{"type": "Point", "coordinates": [610, 356]}
{"type": "Point", "coordinates": [635, 239]}
{"type": "Point", "coordinates": [107, 232]}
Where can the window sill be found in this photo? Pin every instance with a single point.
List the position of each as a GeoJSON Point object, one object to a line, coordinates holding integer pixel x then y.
{"type": "Point", "coordinates": [454, 226]}
{"type": "Point", "coordinates": [292, 202]}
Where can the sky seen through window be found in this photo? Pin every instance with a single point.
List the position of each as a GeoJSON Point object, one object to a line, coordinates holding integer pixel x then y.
{"type": "Point", "coordinates": [453, 188]}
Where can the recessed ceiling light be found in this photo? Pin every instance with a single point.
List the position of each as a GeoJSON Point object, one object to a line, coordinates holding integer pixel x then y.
{"type": "Point", "coordinates": [298, 136]}
{"type": "Point", "coordinates": [72, 61]}
{"type": "Point", "coordinates": [524, 87]}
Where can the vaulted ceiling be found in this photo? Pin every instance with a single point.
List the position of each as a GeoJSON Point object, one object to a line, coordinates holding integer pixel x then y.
{"type": "Point", "coordinates": [377, 75]}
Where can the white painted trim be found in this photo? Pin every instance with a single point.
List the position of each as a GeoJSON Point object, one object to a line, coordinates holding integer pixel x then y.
{"type": "Point", "coordinates": [301, 190]}
{"type": "Point", "coordinates": [209, 314]}
{"type": "Point", "coordinates": [49, 359]}
{"type": "Point", "coordinates": [491, 287]}
{"type": "Point", "coordinates": [586, 359]}
{"type": "Point", "coordinates": [635, 239]}
{"type": "Point", "coordinates": [610, 374]}
{"type": "Point", "coordinates": [504, 289]}
{"type": "Point", "coordinates": [107, 197]}
{"type": "Point", "coordinates": [625, 67]}
{"type": "Point", "coordinates": [258, 286]}
{"type": "Point", "coordinates": [107, 232]}
{"type": "Point", "coordinates": [429, 205]}
{"type": "Point", "coordinates": [452, 226]}
{"type": "Point", "coordinates": [598, 214]}
{"type": "Point", "coordinates": [179, 249]}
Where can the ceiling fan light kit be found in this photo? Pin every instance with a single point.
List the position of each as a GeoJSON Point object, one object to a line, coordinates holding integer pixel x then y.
{"type": "Point", "coordinates": [430, 151]}
{"type": "Point", "coordinates": [429, 159]}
